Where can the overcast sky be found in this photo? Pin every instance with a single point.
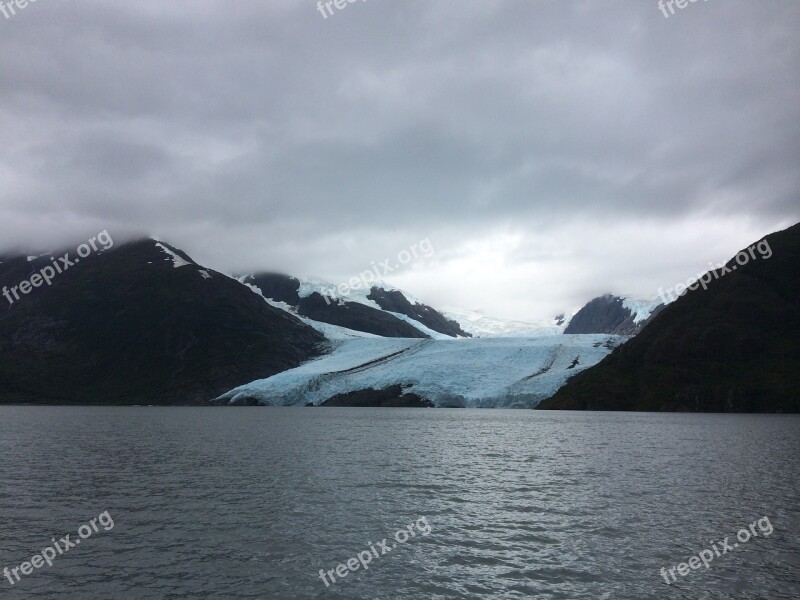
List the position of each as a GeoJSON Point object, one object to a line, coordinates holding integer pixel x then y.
{"type": "Point", "coordinates": [549, 150]}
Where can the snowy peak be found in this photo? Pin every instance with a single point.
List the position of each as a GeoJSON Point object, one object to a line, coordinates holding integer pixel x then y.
{"type": "Point", "coordinates": [384, 311]}
{"type": "Point", "coordinates": [614, 315]}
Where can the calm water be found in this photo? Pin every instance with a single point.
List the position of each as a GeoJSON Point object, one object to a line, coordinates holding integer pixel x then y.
{"type": "Point", "coordinates": [253, 502]}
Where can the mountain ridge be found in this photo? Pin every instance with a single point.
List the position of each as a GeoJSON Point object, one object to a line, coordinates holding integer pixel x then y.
{"type": "Point", "coordinates": [380, 310]}
{"type": "Point", "coordinates": [140, 323]}
{"type": "Point", "coordinates": [729, 348]}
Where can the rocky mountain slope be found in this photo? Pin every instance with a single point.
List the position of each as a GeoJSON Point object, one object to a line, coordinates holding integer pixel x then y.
{"type": "Point", "coordinates": [396, 301]}
{"type": "Point", "coordinates": [614, 315]}
{"type": "Point", "coordinates": [379, 310]}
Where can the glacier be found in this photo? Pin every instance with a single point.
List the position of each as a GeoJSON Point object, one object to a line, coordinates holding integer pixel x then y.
{"type": "Point", "coordinates": [471, 373]}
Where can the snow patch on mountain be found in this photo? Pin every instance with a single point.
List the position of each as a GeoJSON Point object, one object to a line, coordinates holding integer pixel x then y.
{"type": "Point", "coordinates": [423, 328]}
{"type": "Point", "coordinates": [347, 293]}
{"type": "Point", "coordinates": [344, 293]}
{"type": "Point", "coordinates": [177, 261]}
{"type": "Point", "coordinates": [641, 309]}
{"type": "Point", "coordinates": [334, 333]}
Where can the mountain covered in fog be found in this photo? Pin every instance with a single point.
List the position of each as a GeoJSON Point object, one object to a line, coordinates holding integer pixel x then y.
{"type": "Point", "coordinates": [139, 323]}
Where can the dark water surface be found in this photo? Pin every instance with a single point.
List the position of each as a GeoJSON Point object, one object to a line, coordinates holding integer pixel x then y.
{"type": "Point", "coordinates": [253, 502]}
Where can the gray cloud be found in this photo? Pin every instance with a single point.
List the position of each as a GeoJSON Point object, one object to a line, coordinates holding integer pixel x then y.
{"type": "Point", "coordinates": [548, 149]}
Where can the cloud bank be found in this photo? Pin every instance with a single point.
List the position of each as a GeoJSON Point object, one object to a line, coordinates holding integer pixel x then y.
{"type": "Point", "coordinates": [549, 150]}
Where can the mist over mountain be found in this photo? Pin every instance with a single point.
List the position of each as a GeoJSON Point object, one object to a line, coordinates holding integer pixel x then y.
{"type": "Point", "coordinates": [143, 322]}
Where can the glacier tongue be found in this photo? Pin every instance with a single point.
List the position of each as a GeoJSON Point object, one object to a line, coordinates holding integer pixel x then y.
{"type": "Point", "coordinates": [484, 372]}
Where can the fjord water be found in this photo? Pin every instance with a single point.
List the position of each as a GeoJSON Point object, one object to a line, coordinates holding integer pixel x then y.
{"type": "Point", "coordinates": [253, 502]}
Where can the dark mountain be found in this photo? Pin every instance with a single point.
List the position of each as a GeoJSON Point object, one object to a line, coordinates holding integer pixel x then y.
{"type": "Point", "coordinates": [730, 348]}
{"type": "Point", "coordinates": [335, 311]}
{"type": "Point", "coordinates": [125, 326]}
{"type": "Point", "coordinates": [395, 301]}
{"type": "Point", "coordinates": [607, 314]}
